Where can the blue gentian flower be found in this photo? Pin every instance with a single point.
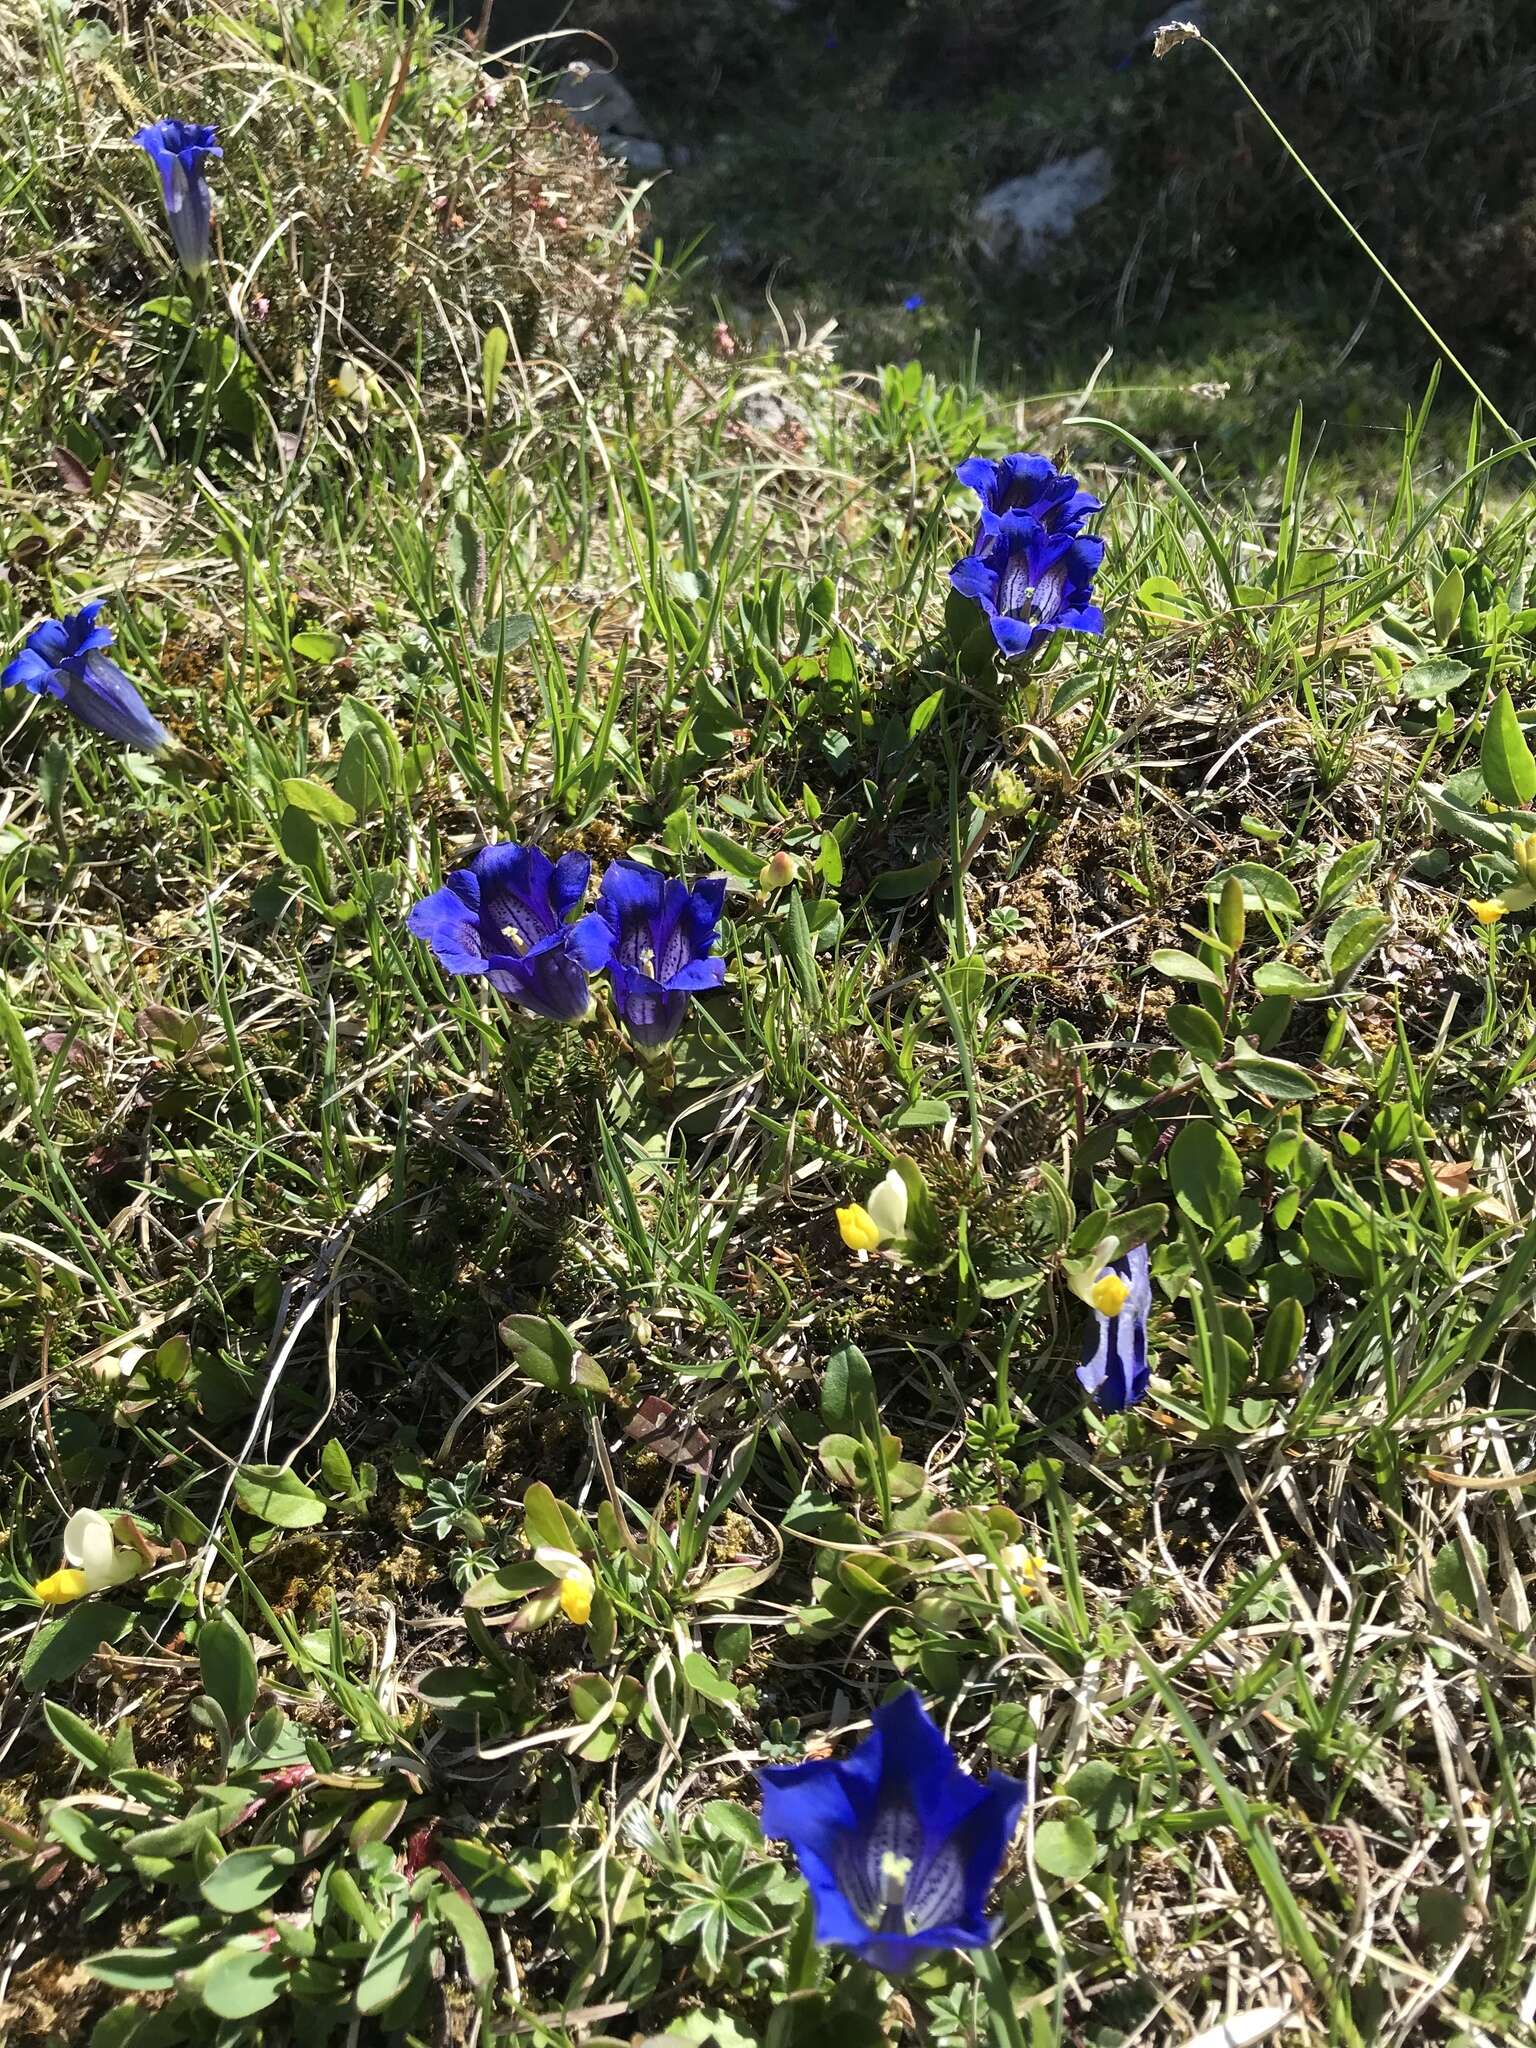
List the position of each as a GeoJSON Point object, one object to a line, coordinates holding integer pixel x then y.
{"type": "Point", "coordinates": [914, 304]}
{"type": "Point", "coordinates": [1032, 582]}
{"type": "Point", "coordinates": [504, 916]}
{"type": "Point", "coordinates": [179, 150]}
{"type": "Point", "coordinates": [1115, 1368]}
{"type": "Point", "coordinates": [898, 1844]}
{"type": "Point", "coordinates": [66, 658]}
{"type": "Point", "coordinates": [1027, 483]}
{"type": "Point", "coordinates": [661, 936]}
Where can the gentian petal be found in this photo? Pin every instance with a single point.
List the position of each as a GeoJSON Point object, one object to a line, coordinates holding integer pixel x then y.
{"type": "Point", "coordinates": [101, 696]}
{"type": "Point", "coordinates": [1024, 480]}
{"type": "Point", "coordinates": [654, 1015]}
{"type": "Point", "coordinates": [34, 672]}
{"type": "Point", "coordinates": [1013, 637]}
{"type": "Point", "coordinates": [979, 1841]}
{"type": "Point", "coordinates": [632, 897]}
{"type": "Point", "coordinates": [975, 578]}
{"type": "Point", "coordinates": [980, 476]}
{"type": "Point", "coordinates": [807, 1805]}
{"type": "Point", "coordinates": [696, 977]}
{"type": "Point", "coordinates": [590, 939]}
{"type": "Point", "coordinates": [568, 884]}
{"type": "Point", "coordinates": [449, 922]}
{"type": "Point", "coordinates": [515, 888]}
{"type": "Point", "coordinates": [548, 980]}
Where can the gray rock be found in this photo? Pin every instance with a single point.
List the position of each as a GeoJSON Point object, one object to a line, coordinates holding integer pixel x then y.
{"type": "Point", "coordinates": [638, 151]}
{"type": "Point", "coordinates": [598, 100]}
{"type": "Point", "coordinates": [762, 411]}
{"type": "Point", "coordinates": [1017, 222]}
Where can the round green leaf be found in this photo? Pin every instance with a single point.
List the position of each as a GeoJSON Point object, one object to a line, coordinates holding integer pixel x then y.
{"type": "Point", "coordinates": [278, 1496]}
{"type": "Point", "coordinates": [247, 1878]}
{"type": "Point", "coordinates": [1067, 1849]}
{"type": "Point", "coordinates": [228, 1666]}
{"type": "Point", "coordinates": [1204, 1173]}
{"type": "Point", "coordinates": [1262, 887]}
{"type": "Point", "coordinates": [1197, 1031]}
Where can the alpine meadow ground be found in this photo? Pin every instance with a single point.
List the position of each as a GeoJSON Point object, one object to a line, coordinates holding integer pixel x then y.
{"type": "Point", "coordinates": [645, 1143]}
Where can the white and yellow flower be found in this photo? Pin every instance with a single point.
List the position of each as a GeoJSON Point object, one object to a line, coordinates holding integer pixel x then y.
{"type": "Point", "coordinates": [881, 1221]}
{"type": "Point", "coordinates": [576, 1583]}
{"type": "Point", "coordinates": [1094, 1280]}
{"type": "Point", "coordinates": [93, 1561]}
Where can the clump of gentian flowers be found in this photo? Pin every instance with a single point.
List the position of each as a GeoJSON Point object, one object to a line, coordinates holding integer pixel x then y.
{"type": "Point", "coordinates": [899, 1846]}
{"type": "Point", "coordinates": [1116, 1369]}
{"type": "Point", "coordinates": [67, 658]}
{"type": "Point", "coordinates": [508, 916]}
{"type": "Point", "coordinates": [179, 150]}
{"type": "Point", "coordinates": [1031, 567]}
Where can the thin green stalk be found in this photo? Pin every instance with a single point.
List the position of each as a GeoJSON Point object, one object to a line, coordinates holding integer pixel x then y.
{"type": "Point", "coordinates": [1355, 235]}
{"type": "Point", "coordinates": [1005, 2021]}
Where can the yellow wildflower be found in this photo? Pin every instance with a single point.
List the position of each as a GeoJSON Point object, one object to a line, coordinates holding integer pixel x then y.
{"type": "Point", "coordinates": [880, 1221]}
{"type": "Point", "coordinates": [860, 1231]}
{"type": "Point", "coordinates": [1488, 910]}
{"type": "Point", "coordinates": [1024, 1566]}
{"type": "Point", "coordinates": [61, 1586]}
{"type": "Point", "coordinates": [576, 1590]}
{"type": "Point", "coordinates": [1108, 1294]}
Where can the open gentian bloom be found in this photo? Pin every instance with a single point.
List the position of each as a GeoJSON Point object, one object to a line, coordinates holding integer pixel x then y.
{"type": "Point", "coordinates": [504, 916]}
{"type": "Point", "coordinates": [898, 1844]}
{"type": "Point", "coordinates": [1032, 582]}
{"type": "Point", "coordinates": [661, 936]}
{"type": "Point", "coordinates": [66, 658]}
{"type": "Point", "coordinates": [179, 149]}
{"type": "Point", "coordinates": [1115, 1368]}
{"type": "Point", "coordinates": [1027, 483]}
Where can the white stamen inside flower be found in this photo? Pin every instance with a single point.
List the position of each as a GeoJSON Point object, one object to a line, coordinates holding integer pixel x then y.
{"type": "Point", "coordinates": [894, 1872]}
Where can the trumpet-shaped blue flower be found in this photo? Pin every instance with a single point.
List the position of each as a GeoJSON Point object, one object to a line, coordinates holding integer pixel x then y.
{"type": "Point", "coordinates": [1027, 483]}
{"type": "Point", "coordinates": [66, 658]}
{"type": "Point", "coordinates": [505, 916]}
{"type": "Point", "coordinates": [661, 938]}
{"type": "Point", "coordinates": [898, 1844]}
{"type": "Point", "coordinates": [1032, 582]}
{"type": "Point", "coordinates": [179, 149]}
{"type": "Point", "coordinates": [1115, 1368]}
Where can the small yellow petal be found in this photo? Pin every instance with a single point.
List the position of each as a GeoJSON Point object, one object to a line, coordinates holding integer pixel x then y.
{"type": "Point", "coordinates": [1488, 910]}
{"type": "Point", "coordinates": [860, 1231]}
{"type": "Point", "coordinates": [1109, 1294]}
{"type": "Point", "coordinates": [1025, 1567]}
{"type": "Point", "coordinates": [62, 1586]}
{"type": "Point", "coordinates": [576, 1596]}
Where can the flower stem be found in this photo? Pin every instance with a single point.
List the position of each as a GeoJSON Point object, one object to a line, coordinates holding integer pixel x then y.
{"type": "Point", "coordinates": [1005, 2021]}
{"type": "Point", "coordinates": [1359, 240]}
